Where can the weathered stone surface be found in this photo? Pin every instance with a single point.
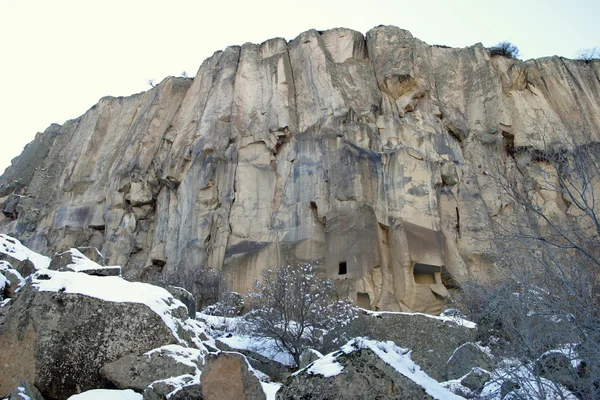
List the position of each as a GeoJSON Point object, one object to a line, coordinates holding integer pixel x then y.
{"type": "Point", "coordinates": [431, 339]}
{"type": "Point", "coordinates": [476, 379]}
{"type": "Point", "coordinates": [370, 152]}
{"type": "Point", "coordinates": [59, 341]}
{"type": "Point", "coordinates": [185, 297]}
{"type": "Point", "coordinates": [12, 281]}
{"type": "Point", "coordinates": [137, 372]}
{"type": "Point", "coordinates": [466, 357]}
{"type": "Point", "coordinates": [308, 356]}
{"type": "Point", "coordinates": [227, 376]}
{"type": "Point", "coordinates": [364, 376]}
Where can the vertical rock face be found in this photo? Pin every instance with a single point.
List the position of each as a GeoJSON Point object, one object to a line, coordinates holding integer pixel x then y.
{"type": "Point", "coordinates": [366, 154]}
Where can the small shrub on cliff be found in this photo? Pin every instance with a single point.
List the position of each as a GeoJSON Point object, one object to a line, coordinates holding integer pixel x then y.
{"type": "Point", "coordinates": [504, 49]}
{"type": "Point", "coordinates": [588, 55]}
{"type": "Point", "coordinates": [293, 308]}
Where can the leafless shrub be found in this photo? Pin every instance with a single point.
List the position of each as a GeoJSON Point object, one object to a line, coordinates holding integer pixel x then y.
{"type": "Point", "coordinates": [293, 308]}
{"type": "Point", "coordinates": [504, 49]}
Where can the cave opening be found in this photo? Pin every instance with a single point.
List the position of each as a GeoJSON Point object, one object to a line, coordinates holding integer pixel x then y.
{"type": "Point", "coordinates": [343, 268]}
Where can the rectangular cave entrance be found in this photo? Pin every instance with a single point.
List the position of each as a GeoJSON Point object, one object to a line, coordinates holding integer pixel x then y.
{"type": "Point", "coordinates": [363, 300]}
{"type": "Point", "coordinates": [343, 268]}
{"type": "Point", "coordinates": [425, 273]}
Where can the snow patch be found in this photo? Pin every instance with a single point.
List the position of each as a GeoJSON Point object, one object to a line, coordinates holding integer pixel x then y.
{"type": "Point", "coordinates": [326, 366]}
{"type": "Point", "coordinates": [265, 347]}
{"type": "Point", "coordinates": [12, 247]}
{"type": "Point", "coordinates": [104, 394]}
{"type": "Point", "coordinates": [270, 389]}
{"type": "Point", "coordinates": [457, 320]}
{"type": "Point", "coordinates": [184, 355]}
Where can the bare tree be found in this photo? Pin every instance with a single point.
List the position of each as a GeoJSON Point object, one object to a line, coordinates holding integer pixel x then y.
{"type": "Point", "coordinates": [293, 308]}
{"type": "Point", "coordinates": [588, 54]}
{"type": "Point", "coordinates": [547, 301]}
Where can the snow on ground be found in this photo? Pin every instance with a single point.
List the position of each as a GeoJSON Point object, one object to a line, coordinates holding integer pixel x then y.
{"type": "Point", "coordinates": [107, 394]}
{"type": "Point", "coordinates": [457, 320]}
{"type": "Point", "coordinates": [15, 249]}
{"type": "Point", "coordinates": [184, 355]}
{"type": "Point", "coordinates": [531, 386]}
{"type": "Point", "coordinates": [264, 347]}
{"type": "Point", "coordinates": [111, 288]}
{"type": "Point", "coordinates": [270, 389]}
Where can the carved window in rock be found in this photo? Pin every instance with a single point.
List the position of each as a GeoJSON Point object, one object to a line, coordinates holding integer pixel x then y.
{"type": "Point", "coordinates": [343, 268]}
{"type": "Point", "coordinates": [363, 300]}
{"type": "Point", "coordinates": [425, 273]}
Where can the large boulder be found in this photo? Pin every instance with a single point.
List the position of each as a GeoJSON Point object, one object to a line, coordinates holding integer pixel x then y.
{"type": "Point", "coordinates": [229, 376]}
{"type": "Point", "coordinates": [363, 369]}
{"type": "Point", "coordinates": [137, 372]}
{"type": "Point", "coordinates": [431, 339]}
{"type": "Point", "coordinates": [65, 326]}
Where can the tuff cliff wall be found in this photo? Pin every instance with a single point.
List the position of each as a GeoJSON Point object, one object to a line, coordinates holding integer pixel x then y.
{"type": "Point", "coordinates": [369, 154]}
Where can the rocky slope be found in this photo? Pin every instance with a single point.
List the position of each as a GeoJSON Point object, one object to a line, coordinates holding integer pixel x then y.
{"type": "Point", "coordinates": [368, 154]}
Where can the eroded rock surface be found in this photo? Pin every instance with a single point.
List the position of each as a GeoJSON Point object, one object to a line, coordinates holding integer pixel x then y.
{"type": "Point", "coordinates": [369, 154]}
{"type": "Point", "coordinates": [59, 340]}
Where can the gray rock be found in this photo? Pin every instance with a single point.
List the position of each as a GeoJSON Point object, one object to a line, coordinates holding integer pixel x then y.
{"type": "Point", "coordinates": [308, 356]}
{"type": "Point", "coordinates": [466, 357]}
{"type": "Point", "coordinates": [138, 372]}
{"type": "Point", "coordinates": [185, 297]}
{"type": "Point", "coordinates": [557, 367]}
{"type": "Point", "coordinates": [365, 376]}
{"type": "Point", "coordinates": [476, 379]}
{"type": "Point", "coordinates": [60, 341]}
{"type": "Point", "coordinates": [432, 340]}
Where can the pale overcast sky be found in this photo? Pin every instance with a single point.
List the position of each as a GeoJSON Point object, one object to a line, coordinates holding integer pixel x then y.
{"type": "Point", "coordinates": [58, 58]}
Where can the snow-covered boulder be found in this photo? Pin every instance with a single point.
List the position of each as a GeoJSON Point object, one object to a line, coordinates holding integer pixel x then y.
{"type": "Point", "coordinates": [20, 257]}
{"type": "Point", "coordinates": [431, 339]}
{"type": "Point", "coordinates": [364, 369]}
{"type": "Point", "coordinates": [11, 281]}
{"type": "Point", "coordinates": [65, 326]}
{"type": "Point", "coordinates": [137, 372]}
{"type": "Point", "coordinates": [73, 260]}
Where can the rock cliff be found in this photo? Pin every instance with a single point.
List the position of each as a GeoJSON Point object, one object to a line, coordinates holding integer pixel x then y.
{"type": "Point", "coordinates": [370, 155]}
